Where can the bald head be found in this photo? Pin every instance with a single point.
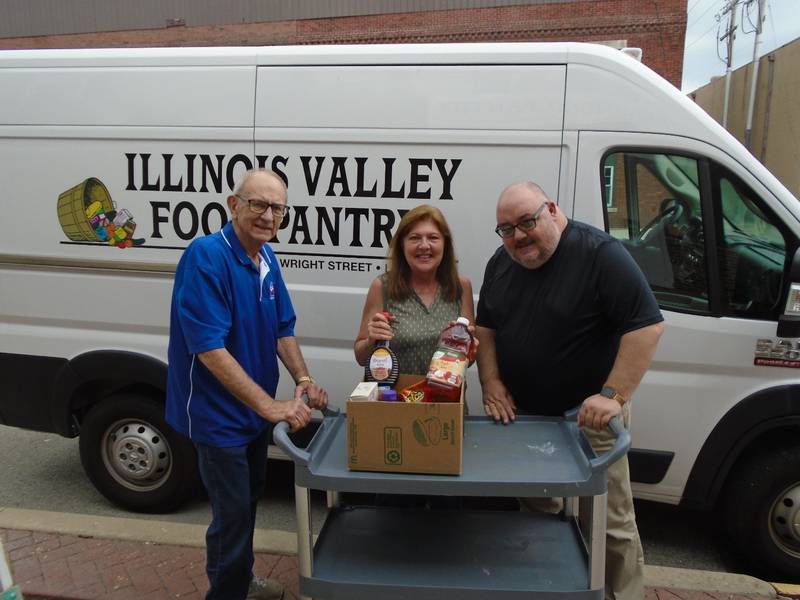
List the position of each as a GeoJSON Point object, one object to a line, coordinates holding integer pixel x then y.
{"type": "Point", "coordinates": [523, 188]}
{"type": "Point", "coordinates": [250, 178]}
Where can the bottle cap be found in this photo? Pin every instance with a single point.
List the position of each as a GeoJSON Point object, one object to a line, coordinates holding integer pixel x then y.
{"type": "Point", "coordinates": [463, 321]}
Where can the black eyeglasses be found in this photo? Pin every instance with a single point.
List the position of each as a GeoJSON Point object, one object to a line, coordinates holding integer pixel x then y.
{"type": "Point", "coordinates": [506, 230]}
{"type": "Point", "coordinates": [260, 207]}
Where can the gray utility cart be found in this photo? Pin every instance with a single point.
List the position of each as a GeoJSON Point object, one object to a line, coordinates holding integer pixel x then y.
{"type": "Point", "coordinates": [376, 553]}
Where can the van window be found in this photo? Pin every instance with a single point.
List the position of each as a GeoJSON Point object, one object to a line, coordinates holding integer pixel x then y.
{"type": "Point", "coordinates": [752, 250]}
{"type": "Point", "coordinates": [653, 206]}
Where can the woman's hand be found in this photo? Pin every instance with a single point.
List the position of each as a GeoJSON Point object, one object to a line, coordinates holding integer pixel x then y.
{"type": "Point", "coordinates": [379, 328]}
{"type": "Point", "coordinates": [473, 349]}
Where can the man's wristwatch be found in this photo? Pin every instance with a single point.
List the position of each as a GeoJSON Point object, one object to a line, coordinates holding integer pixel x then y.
{"type": "Point", "coordinates": [610, 392]}
{"type": "Point", "coordinates": [305, 379]}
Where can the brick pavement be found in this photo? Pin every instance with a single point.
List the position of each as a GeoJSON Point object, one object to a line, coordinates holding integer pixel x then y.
{"type": "Point", "coordinates": [51, 566]}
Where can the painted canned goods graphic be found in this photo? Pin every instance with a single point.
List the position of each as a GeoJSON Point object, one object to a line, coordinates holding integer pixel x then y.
{"type": "Point", "coordinates": [87, 213]}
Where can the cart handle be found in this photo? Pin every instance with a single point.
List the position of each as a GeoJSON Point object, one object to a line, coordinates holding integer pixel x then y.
{"type": "Point", "coordinates": [621, 444]}
{"type": "Point", "coordinates": [280, 435]}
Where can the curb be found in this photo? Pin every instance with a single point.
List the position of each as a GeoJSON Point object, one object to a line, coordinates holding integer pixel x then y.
{"type": "Point", "coordinates": [707, 581]}
{"type": "Point", "coordinates": [269, 541]}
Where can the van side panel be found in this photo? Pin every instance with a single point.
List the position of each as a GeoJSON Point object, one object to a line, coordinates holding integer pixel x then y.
{"type": "Point", "coordinates": [490, 97]}
{"type": "Point", "coordinates": [128, 96]}
{"type": "Point", "coordinates": [633, 99]}
{"type": "Point", "coordinates": [394, 137]}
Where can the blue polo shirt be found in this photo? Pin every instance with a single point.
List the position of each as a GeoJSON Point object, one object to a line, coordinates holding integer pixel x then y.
{"type": "Point", "coordinates": [222, 300]}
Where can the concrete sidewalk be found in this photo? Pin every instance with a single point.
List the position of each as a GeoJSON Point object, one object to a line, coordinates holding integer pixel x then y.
{"type": "Point", "coordinates": [78, 557]}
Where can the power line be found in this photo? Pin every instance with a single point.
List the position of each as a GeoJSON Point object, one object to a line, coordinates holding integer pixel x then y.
{"type": "Point", "coordinates": [746, 7]}
{"type": "Point", "coordinates": [701, 36]}
{"type": "Point", "coordinates": [693, 6]}
{"type": "Point", "coordinates": [771, 22]}
{"type": "Point", "coordinates": [703, 14]}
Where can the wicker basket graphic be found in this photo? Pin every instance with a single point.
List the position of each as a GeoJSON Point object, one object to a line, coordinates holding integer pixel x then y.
{"type": "Point", "coordinates": [72, 206]}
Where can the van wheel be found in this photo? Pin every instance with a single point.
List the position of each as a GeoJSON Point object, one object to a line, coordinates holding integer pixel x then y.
{"type": "Point", "coordinates": [763, 512]}
{"type": "Point", "coordinates": [134, 458]}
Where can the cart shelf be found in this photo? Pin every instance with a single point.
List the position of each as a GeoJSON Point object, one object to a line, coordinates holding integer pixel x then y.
{"type": "Point", "coordinates": [368, 553]}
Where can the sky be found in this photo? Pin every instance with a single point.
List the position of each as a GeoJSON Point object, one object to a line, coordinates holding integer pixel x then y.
{"type": "Point", "coordinates": [700, 61]}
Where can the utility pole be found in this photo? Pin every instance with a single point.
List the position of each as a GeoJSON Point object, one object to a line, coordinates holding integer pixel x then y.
{"type": "Point", "coordinates": [729, 35]}
{"type": "Point", "coordinates": [748, 132]}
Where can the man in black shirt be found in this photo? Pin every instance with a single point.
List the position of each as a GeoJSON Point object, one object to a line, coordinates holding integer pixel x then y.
{"type": "Point", "coordinates": [566, 318]}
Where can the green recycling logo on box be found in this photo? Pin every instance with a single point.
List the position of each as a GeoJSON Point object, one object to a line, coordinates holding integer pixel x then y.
{"type": "Point", "coordinates": [393, 445]}
{"type": "Point", "coordinates": [88, 214]}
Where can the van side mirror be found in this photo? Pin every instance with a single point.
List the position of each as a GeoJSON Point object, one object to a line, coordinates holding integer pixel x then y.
{"type": "Point", "coordinates": [789, 322]}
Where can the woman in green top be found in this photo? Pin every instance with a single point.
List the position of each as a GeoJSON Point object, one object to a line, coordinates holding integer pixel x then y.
{"type": "Point", "coordinates": [421, 289]}
{"type": "Point", "coordinates": [423, 293]}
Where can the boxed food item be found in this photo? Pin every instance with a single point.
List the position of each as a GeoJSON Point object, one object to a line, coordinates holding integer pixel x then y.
{"type": "Point", "coordinates": [405, 437]}
{"type": "Point", "coordinates": [365, 391]}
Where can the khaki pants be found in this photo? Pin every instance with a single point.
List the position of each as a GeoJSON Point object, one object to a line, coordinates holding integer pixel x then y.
{"type": "Point", "coordinates": [624, 557]}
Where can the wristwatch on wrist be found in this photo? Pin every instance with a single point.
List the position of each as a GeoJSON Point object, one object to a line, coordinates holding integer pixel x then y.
{"type": "Point", "coordinates": [305, 379]}
{"type": "Point", "coordinates": [610, 392]}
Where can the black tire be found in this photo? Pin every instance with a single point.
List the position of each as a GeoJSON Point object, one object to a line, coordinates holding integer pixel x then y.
{"type": "Point", "coordinates": [134, 458]}
{"type": "Point", "coordinates": [762, 504]}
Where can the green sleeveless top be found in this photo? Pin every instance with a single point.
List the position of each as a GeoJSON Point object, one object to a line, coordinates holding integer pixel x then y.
{"type": "Point", "coordinates": [417, 328]}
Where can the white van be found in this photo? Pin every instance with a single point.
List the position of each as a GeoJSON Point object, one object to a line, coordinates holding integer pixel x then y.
{"type": "Point", "coordinates": [152, 141]}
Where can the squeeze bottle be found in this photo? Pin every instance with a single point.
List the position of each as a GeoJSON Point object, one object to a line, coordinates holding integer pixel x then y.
{"type": "Point", "coordinates": [449, 363]}
{"type": "Point", "coordinates": [382, 364]}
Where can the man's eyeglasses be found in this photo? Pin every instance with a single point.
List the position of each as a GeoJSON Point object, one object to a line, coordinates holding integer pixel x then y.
{"type": "Point", "coordinates": [260, 207]}
{"type": "Point", "coordinates": [506, 230]}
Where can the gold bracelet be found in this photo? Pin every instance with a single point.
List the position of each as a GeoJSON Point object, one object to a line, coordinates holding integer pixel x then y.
{"type": "Point", "coordinates": [305, 379]}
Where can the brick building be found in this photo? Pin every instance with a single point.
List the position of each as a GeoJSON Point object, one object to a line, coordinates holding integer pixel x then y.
{"type": "Point", "coordinates": [658, 27]}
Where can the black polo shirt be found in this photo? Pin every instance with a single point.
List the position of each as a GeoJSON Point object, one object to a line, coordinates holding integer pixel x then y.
{"type": "Point", "coordinates": [557, 328]}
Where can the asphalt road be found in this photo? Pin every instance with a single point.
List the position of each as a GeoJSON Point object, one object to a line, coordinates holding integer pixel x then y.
{"type": "Point", "coordinates": [43, 472]}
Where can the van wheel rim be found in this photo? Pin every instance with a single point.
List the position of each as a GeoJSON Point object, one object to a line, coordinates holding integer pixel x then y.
{"type": "Point", "coordinates": [784, 520]}
{"type": "Point", "coordinates": [136, 455]}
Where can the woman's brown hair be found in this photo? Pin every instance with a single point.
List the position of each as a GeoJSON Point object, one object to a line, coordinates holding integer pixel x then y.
{"type": "Point", "coordinates": [398, 276]}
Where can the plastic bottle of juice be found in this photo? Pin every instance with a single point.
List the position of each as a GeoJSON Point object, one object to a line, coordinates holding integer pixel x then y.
{"type": "Point", "coordinates": [382, 365]}
{"type": "Point", "coordinates": [449, 363]}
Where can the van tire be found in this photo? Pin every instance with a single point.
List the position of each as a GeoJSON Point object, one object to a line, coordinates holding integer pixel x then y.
{"type": "Point", "coordinates": [134, 458]}
{"type": "Point", "coordinates": [760, 501]}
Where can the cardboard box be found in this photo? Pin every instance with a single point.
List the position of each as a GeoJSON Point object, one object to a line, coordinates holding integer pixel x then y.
{"type": "Point", "coordinates": [403, 437]}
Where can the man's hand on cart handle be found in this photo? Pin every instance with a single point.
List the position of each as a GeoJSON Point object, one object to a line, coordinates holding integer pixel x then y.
{"type": "Point", "coordinates": [295, 412]}
{"type": "Point", "coordinates": [316, 394]}
{"type": "Point", "coordinates": [596, 411]}
{"type": "Point", "coordinates": [497, 402]}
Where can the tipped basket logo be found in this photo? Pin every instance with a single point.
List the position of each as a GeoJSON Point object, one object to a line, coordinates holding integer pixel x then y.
{"type": "Point", "coordinates": [87, 213]}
